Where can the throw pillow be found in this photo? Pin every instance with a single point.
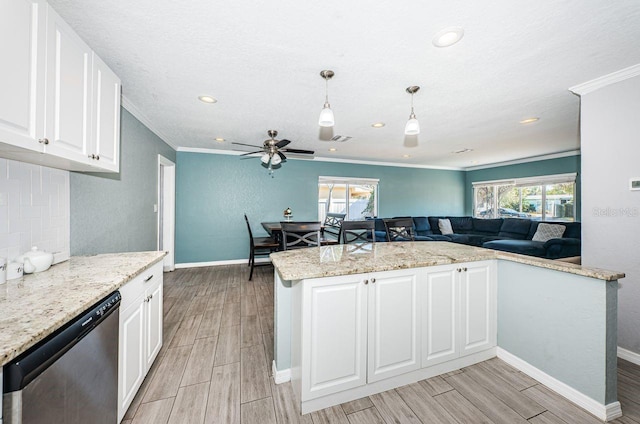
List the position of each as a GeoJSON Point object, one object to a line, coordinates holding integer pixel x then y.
{"type": "Point", "coordinates": [445, 226]}
{"type": "Point", "coordinates": [546, 232]}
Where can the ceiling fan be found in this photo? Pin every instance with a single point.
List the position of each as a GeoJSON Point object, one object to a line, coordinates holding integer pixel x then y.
{"type": "Point", "coordinates": [272, 150]}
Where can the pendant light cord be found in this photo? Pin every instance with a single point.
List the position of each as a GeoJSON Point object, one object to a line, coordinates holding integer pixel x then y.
{"type": "Point", "coordinates": [326, 91]}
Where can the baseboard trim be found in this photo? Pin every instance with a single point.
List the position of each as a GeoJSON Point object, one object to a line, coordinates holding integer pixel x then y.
{"type": "Point", "coordinates": [603, 412]}
{"type": "Point", "coordinates": [281, 376]}
{"type": "Point", "coordinates": [219, 263]}
{"type": "Point", "coordinates": [629, 355]}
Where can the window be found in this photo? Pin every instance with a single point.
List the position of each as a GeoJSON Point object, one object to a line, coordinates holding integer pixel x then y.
{"type": "Point", "coordinates": [355, 197]}
{"type": "Point", "coordinates": [547, 198]}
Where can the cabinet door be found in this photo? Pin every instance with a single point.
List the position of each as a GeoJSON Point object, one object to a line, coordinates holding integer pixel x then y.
{"type": "Point", "coordinates": [334, 339]}
{"type": "Point", "coordinates": [22, 49]}
{"type": "Point", "coordinates": [153, 323]}
{"type": "Point", "coordinates": [131, 364]}
{"type": "Point", "coordinates": [440, 309]}
{"type": "Point", "coordinates": [105, 120]}
{"type": "Point", "coordinates": [68, 92]}
{"type": "Point", "coordinates": [393, 324]}
{"type": "Point", "coordinates": [477, 287]}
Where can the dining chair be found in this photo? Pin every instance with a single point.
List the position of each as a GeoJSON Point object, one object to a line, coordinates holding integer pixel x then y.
{"type": "Point", "coordinates": [332, 224]}
{"type": "Point", "coordinates": [296, 235]}
{"type": "Point", "coordinates": [258, 246]}
{"type": "Point", "coordinates": [358, 232]}
{"type": "Point", "coordinates": [399, 229]}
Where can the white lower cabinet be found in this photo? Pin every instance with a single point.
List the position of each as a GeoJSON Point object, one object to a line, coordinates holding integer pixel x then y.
{"type": "Point", "coordinates": [140, 333]}
{"type": "Point", "coordinates": [364, 329]}
{"type": "Point", "coordinates": [358, 329]}
{"type": "Point", "coordinates": [459, 311]}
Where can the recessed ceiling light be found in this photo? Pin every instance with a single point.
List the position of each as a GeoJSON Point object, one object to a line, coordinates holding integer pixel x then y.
{"type": "Point", "coordinates": [207, 99]}
{"type": "Point", "coordinates": [448, 36]}
{"type": "Point", "coordinates": [333, 149]}
{"type": "Point", "coordinates": [529, 120]}
{"type": "Point", "coordinates": [378, 125]}
{"type": "Point", "coordinates": [406, 156]}
{"type": "Point", "coordinates": [219, 139]}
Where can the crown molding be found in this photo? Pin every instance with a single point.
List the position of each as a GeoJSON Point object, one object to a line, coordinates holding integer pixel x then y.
{"type": "Point", "coordinates": [322, 159]}
{"type": "Point", "coordinates": [603, 81]}
{"type": "Point", "coordinates": [137, 113]}
{"type": "Point", "coordinates": [525, 160]}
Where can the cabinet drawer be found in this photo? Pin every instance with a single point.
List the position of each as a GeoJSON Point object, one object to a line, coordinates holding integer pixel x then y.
{"type": "Point", "coordinates": [136, 287]}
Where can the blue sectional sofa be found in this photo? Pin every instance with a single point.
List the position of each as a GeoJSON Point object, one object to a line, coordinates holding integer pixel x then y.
{"type": "Point", "coordinates": [505, 234]}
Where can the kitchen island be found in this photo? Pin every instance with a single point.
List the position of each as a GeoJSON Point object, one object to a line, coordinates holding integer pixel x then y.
{"type": "Point", "coordinates": [353, 320]}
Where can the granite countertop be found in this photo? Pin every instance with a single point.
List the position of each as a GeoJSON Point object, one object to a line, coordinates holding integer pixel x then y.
{"type": "Point", "coordinates": [330, 261]}
{"type": "Point", "coordinates": [36, 305]}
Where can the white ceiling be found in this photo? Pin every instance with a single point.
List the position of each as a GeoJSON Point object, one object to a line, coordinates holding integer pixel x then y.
{"type": "Point", "coordinates": [262, 59]}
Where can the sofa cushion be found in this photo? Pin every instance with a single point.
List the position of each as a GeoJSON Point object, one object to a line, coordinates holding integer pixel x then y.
{"type": "Point", "coordinates": [379, 225]}
{"type": "Point", "coordinates": [547, 232]}
{"type": "Point", "coordinates": [487, 226]}
{"type": "Point", "coordinates": [421, 224]}
{"type": "Point", "coordinates": [433, 223]}
{"type": "Point", "coordinates": [461, 224]}
{"type": "Point", "coordinates": [445, 227]}
{"type": "Point", "coordinates": [573, 230]}
{"type": "Point", "coordinates": [476, 239]}
{"type": "Point", "coordinates": [524, 247]}
{"type": "Point", "coordinates": [459, 238]}
{"type": "Point", "coordinates": [515, 228]}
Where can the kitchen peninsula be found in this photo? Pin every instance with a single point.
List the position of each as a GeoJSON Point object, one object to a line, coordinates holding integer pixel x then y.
{"type": "Point", "coordinates": [353, 320]}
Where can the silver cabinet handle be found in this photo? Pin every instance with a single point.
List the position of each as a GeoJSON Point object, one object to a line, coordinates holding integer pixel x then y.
{"type": "Point", "coordinates": [97, 157]}
{"type": "Point", "coordinates": [92, 156]}
{"type": "Point", "coordinates": [43, 141]}
{"type": "Point", "coordinates": [459, 270]}
{"type": "Point", "coordinates": [464, 269]}
{"type": "Point", "coordinates": [373, 280]}
{"type": "Point", "coordinates": [366, 281]}
{"type": "Point", "coordinates": [148, 278]}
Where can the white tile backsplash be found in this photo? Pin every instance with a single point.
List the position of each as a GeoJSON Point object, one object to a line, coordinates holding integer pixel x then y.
{"type": "Point", "coordinates": [34, 209]}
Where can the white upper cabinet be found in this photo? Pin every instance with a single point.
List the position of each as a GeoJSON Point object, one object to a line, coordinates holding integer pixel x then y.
{"type": "Point", "coordinates": [69, 91]}
{"type": "Point", "coordinates": [58, 97]}
{"type": "Point", "coordinates": [22, 49]}
{"type": "Point", "coordinates": [106, 116]}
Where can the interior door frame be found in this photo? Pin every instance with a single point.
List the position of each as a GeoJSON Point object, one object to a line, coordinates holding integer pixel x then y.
{"type": "Point", "coordinates": [167, 211]}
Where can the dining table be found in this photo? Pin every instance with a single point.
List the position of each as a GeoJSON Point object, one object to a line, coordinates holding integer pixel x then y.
{"type": "Point", "coordinates": [274, 229]}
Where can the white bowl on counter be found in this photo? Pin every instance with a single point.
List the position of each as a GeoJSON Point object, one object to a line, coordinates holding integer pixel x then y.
{"type": "Point", "coordinates": [35, 260]}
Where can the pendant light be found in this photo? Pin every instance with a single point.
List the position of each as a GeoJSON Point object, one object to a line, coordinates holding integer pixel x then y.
{"type": "Point", "coordinates": [326, 115]}
{"type": "Point", "coordinates": [413, 126]}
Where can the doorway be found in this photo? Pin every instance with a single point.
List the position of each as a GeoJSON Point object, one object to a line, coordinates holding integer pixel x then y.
{"type": "Point", "coordinates": [166, 211]}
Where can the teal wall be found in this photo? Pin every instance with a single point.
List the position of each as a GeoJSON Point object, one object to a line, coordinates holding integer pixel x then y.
{"type": "Point", "coordinates": [213, 191]}
{"type": "Point", "coordinates": [562, 324]}
{"type": "Point", "coordinates": [530, 169]}
{"type": "Point", "coordinates": [114, 212]}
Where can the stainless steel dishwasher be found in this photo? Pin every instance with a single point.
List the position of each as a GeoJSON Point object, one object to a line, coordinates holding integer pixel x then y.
{"type": "Point", "coordinates": [71, 377]}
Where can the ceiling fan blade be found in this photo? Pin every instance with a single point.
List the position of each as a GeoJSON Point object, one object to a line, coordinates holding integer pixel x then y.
{"type": "Point", "coordinates": [250, 145]}
{"type": "Point", "coordinates": [282, 143]}
{"type": "Point", "coordinates": [300, 151]}
{"type": "Point", "coordinates": [252, 153]}
{"type": "Point", "coordinates": [282, 156]}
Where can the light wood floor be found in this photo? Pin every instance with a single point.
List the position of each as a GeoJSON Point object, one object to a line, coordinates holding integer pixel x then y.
{"type": "Point", "coordinates": [215, 367]}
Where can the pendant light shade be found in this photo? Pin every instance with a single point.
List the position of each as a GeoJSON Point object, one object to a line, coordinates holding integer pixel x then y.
{"type": "Point", "coordinates": [276, 160]}
{"type": "Point", "coordinates": [326, 115]}
{"type": "Point", "coordinates": [413, 126]}
{"type": "Point", "coordinates": [265, 158]}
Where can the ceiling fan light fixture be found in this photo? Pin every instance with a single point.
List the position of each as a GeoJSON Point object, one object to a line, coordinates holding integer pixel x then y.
{"type": "Point", "coordinates": [265, 158]}
{"type": "Point", "coordinates": [326, 115]}
{"type": "Point", "coordinates": [413, 126]}
{"type": "Point", "coordinates": [276, 160]}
